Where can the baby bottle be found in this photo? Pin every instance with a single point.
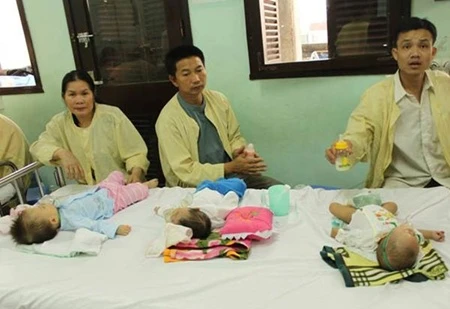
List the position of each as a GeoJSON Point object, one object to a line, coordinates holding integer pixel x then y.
{"type": "Point", "coordinates": [250, 150]}
{"type": "Point", "coordinates": [342, 162]}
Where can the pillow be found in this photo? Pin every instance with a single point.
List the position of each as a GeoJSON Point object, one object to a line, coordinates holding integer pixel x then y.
{"type": "Point", "coordinates": [248, 222]}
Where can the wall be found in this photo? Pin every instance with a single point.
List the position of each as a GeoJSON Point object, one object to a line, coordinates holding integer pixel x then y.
{"type": "Point", "coordinates": [48, 27]}
{"type": "Point", "coordinates": [291, 121]}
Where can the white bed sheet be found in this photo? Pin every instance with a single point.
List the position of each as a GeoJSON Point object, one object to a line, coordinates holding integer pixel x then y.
{"type": "Point", "coordinates": [284, 272]}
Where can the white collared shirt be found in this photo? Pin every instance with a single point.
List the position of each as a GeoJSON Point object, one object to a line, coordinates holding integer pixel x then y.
{"type": "Point", "coordinates": [417, 154]}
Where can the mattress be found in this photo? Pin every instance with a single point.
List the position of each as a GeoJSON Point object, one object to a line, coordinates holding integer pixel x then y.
{"type": "Point", "coordinates": [283, 272]}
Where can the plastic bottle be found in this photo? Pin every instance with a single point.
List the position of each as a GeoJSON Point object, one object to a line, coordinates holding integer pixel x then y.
{"type": "Point", "coordinates": [342, 162]}
{"type": "Point", "coordinates": [250, 150]}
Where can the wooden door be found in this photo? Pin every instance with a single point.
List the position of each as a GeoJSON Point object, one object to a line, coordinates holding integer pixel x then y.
{"type": "Point", "coordinates": [122, 44]}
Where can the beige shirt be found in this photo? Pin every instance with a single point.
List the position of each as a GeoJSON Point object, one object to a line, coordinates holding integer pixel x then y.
{"type": "Point", "coordinates": [371, 127]}
{"type": "Point", "coordinates": [13, 147]}
{"type": "Point", "coordinates": [417, 155]}
{"type": "Point", "coordinates": [110, 143]}
{"type": "Point", "coordinates": [178, 140]}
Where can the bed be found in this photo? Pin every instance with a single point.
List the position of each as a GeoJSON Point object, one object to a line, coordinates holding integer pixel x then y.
{"type": "Point", "coordinates": [283, 272]}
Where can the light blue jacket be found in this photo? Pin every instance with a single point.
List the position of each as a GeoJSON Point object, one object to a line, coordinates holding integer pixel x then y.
{"type": "Point", "coordinates": [90, 210]}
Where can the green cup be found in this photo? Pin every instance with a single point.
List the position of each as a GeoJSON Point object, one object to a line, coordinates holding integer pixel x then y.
{"type": "Point", "coordinates": [280, 199]}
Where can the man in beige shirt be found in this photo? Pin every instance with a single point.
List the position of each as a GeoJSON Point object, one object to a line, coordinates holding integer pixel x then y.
{"type": "Point", "coordinates": [401, 125]}
{"type": "Point", "coordinates": [199, 136]}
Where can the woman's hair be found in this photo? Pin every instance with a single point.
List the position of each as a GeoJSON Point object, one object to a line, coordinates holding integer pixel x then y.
{"type": "Point", "coordinates": [74, 76]}
{"type": "Point", "coordinates": [393, 254]}
{"type": "Point", "coordinates": [199, 222]}
{"type": "Point", "coordinates": [27, 231]}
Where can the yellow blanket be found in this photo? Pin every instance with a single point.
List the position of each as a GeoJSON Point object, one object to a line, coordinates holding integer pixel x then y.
{"type": "Point", "coordinates": [360, 271]}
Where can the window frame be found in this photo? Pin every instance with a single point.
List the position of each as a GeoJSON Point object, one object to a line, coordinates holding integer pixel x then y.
{"type": "Point", "coordinates": [349, 65]}
{"type": "Point", "coordinates": [26, 89]}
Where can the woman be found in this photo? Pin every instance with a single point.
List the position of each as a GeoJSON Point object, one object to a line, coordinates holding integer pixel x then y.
{"type": "Point", "coordinates": [90, 140]}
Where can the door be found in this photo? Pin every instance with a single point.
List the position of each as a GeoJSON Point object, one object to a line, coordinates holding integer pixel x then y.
{"type": "Point", "coordinates": [122, 44]}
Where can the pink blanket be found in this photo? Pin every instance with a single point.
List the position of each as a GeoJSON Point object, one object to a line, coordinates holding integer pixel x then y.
{"type": "Point", "coordinates": [204, 249]}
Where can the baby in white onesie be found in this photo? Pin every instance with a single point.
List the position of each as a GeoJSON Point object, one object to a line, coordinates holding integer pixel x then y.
{"type": "Point", "coordinates": [375, 228]}
{"type": "Point", "coordinates": [201, 211]}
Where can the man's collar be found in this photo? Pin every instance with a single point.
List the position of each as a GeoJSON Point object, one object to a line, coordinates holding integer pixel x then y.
{"type": "Point", "coordinates": [400, 92]}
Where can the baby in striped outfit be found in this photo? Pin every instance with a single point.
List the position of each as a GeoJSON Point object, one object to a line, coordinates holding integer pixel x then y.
{"type": "Point", "coordinates": [89, 209]}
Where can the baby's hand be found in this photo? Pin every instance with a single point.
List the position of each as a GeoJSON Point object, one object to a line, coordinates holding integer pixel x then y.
{"type": "Point", "coordinates": [123, 230]}
{"type": "Point", "coordinates": [438, 236]}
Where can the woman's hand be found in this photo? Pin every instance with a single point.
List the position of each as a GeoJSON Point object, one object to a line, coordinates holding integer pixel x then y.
{"type": "Point", "coordinates": [136, 175]}
{"type": "Point", "coordinates": [69, 163]}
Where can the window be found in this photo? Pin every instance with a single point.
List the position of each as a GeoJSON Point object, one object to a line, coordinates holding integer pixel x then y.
{"type": "Point", "coordinates": [298, 38]}
{"type": "Point", "coordinates": [18, 69]}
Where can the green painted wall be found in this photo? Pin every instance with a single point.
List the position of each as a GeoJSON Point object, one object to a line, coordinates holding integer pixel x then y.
{"type": "Point", "coordinates": [291, 121]}
{"type": "Point", "coordinates": [48, 27]}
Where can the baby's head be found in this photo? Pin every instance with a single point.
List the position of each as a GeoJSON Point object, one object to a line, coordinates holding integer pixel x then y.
{"type": "Point", "coordinates": [399, 249]}
{"type": "Point", "coordinates": [193, 218]}
{"type": "Point", "coordinates": [36, 225]}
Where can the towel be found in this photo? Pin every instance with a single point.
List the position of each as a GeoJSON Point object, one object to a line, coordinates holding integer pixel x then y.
{"type": "Point", "coordinates": [68, 244]}
{"type": "Point", "coordinates": [6, 193]}
{"type": "Point", "coordinates": [172, 235]}
{"type": "Point", "coordinates": [223, 186]}
{"type": "Point", "coordinates": [204, 249]}
{"type": "Point", "coordinates": [360, 271]}
{"type": "Point", "coordinates": [7, 221]}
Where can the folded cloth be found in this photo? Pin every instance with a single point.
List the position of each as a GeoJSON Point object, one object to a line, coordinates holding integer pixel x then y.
{"type": "Point", "coordinates": [172, 235]}
{"type": "Point", "coordinates": [68, 244]}
{"type": "Point", "coordinates": [6, 193]}
{"type": "Point", "coordinates": [224, 185]}
{"type": "Point", "coordinates": [360, 271]}
{"type": "Point", "coordinates": [204, 249]}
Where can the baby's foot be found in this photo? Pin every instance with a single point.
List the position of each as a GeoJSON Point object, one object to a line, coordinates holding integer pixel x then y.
{"type": "Point", "coordinates": [152, 183]}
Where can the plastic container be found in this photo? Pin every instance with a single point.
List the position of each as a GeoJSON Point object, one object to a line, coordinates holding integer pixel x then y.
{"type": "Point", "coordinates": [280, 199]}
{"type": "Point", "coordinates": [342, 162]}
{"type": "Point", "coordinates": [250, 150]}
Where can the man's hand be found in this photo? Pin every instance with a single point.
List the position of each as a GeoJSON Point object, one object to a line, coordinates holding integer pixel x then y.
{"type": "Point", "coordinates": [237, 152]}
{"type": "Point", "coordinates": [69, 163]}
{"type": "Point", "coordinates": [123, 230]}
{"type": "Point", "coordinates": [330, 153]}
{"type": "Point", "coordinates": [245, 165]}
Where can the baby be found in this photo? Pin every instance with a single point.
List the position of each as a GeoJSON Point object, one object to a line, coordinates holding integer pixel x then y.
{"type": "Point", "coordinates": [89, 210]}
{"type": "Point", "coordinates": [374, 228]}
{"type": "Point", "coordinates": [202, 211]}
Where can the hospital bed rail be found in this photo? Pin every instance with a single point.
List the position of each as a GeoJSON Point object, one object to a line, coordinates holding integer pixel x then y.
{"type": "Point", "coordinates": [17, 174]}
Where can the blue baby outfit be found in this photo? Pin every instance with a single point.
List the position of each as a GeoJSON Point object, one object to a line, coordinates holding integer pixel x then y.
{"type": "Point", "coordinates": [223, 186]}
{"type": "Point", "coordinates": [88, 210]}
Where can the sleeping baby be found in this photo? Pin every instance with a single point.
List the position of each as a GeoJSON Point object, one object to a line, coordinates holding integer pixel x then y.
{"type": "Point", "coordinates": [371, 226]}
{"type": "Point", "coordinates": [207, 208]}
{"type": "Point", "coordinates": [88, 209]}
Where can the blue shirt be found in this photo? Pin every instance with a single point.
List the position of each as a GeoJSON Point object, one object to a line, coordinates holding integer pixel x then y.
{"type": "Point", "coordinates": [210, 147]}
{"type": "Point", "coordinates": [88, 210]}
